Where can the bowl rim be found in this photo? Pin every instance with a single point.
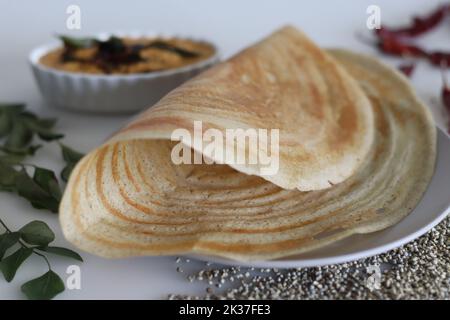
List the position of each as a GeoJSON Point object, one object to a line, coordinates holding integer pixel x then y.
{"type": "Point", "coordinates": [37, 52]}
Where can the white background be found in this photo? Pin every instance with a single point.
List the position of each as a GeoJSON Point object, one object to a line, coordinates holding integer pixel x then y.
{"type": "Point", "coordinates": [232, 25]}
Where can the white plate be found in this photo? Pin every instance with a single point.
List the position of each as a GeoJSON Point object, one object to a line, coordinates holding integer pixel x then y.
{"type": "Point", "coordinates": [432, 209]}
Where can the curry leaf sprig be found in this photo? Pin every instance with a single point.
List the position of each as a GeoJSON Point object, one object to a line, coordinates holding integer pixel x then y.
{"type": "Point", "coordinates": [33, 238]}
{"type": "Point", "coordinates": [41, 189]}
{"type": "Point", "coordinates": [71, 157]}
{"type": "Point", "coordinates": [17, 129]}
{"type": "Point", "coordinates": [19, 126]}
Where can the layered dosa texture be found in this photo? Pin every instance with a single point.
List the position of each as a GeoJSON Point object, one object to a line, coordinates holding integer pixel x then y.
{"type": "Point", "coordinates": [127, 198]}
{"type": "Point", "coordinates": [284, 82]}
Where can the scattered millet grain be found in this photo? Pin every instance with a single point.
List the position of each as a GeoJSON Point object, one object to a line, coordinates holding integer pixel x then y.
{"type": "Point", "coordinates": [417, 270]}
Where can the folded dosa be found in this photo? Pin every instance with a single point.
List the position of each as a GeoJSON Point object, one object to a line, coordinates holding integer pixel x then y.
{"type": "Point", "coordinates": [371, 139]}
{"type": "Point", "coordinates": [284, 82]}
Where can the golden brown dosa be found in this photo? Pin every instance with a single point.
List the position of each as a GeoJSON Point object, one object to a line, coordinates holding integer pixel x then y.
{"type": "Point", "coordinates": [284, 82]}
{"type": "Point", "coordinates": [127, 198]}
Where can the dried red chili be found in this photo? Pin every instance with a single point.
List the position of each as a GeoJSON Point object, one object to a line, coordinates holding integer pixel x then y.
{"type": "Point", "coordinates": [446, 97]}
{"type": "Point", "coordinates": [407, 69]}
{"type": "Point", "coordinates": [420, 25]}
{"type": "Point", "coordinates": [394, 46]}
{"type": "Point", "coordinates": [439, 58]}
{"type": "Point", "coordinates": [394, 41]}
{"type": "Point", "coordinates": [445, 94]}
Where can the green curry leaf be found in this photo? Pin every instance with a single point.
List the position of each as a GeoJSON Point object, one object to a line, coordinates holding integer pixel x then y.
{"type": "Point", "coordinates": [11, 264]}
{"type": "Point", "coordinates": [37, 233]}
{"type": "Point", "coordinates": [45, 287]}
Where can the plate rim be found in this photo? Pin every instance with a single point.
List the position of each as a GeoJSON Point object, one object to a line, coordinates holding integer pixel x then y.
{"type": "Point", "coordinates": [339, 259]}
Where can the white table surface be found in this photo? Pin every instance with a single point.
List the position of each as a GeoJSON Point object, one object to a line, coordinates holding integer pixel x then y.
{"type": "Point", "coordinates": [233, 25]}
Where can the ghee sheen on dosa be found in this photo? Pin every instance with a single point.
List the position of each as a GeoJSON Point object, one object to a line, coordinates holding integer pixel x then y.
{"type": "Point", "coordinates": [127, 198]}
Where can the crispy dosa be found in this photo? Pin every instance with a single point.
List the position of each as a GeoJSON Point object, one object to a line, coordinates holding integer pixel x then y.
{"type": "Point", "coordinates": [284, 82]}
{"type": "Point", "coordinates": [127, 198]}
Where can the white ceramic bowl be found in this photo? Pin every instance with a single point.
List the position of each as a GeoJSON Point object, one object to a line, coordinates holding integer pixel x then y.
{"type": "Point", "coordinates": [110, 93]}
